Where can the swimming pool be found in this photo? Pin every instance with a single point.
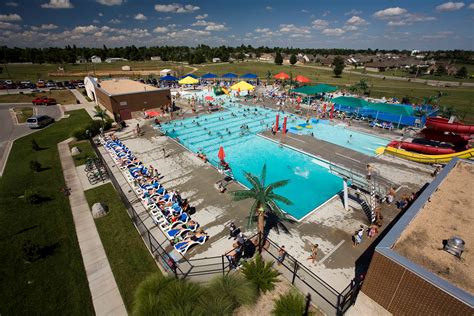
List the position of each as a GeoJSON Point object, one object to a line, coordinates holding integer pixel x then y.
{"type": "Point", "coordinates": [236, 131]}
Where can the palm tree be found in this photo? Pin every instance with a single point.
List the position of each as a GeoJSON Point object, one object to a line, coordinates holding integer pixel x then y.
{"type": "Point", "coordinates": [233, 287]}
{"type": "Point", "coordinates": [291, 303]}
{"type": "Point", "coordinates": [265, 200]}
{"type": "Point", "coordinates": [261, 274]}
{"type": "Point", "coordinates": [102, 114]}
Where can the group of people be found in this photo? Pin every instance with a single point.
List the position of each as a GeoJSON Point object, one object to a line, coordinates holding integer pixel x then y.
{"type": "Point", "coordinates": [241, 248]}
{"type": "Point", "coordinates": [168, 209]}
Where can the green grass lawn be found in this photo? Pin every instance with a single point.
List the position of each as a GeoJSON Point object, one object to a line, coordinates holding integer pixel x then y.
{"type": "Point", "coordinates": [61, 96]}
{"type": "Point", "coordinates": [128, 256]}
{"type": "Point", "coordinates": [86, 152]}
{"type": "Point", "coordinates": [23, 113]}
{"type": "Point", "coordinates": [55, 283]}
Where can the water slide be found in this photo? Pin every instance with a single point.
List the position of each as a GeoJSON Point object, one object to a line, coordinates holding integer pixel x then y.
{"type": "Point", "coordinates": [442, 124]}
{"type": "Point", "coordinates": [424, 149]}
{"type": "Point", "coordinates": [440, 136]}
{"type": "Point", "coordinates": [423, 158]}
{"type": "Point", "coordinates": [225, 90]}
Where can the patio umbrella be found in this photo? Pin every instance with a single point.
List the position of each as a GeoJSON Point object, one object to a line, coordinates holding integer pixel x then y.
{"type": "Point", "coordinates": [242, 86]}
{"type": "Point", "coordinates": [281, 76]}
{"type": "Point", "coordinates": [152, 113]}
{"type": "Point", "coordinates": [302, 79]}
{"type": "Point", "coordinates": [221, 153]}
{"type": "Point", "coordinates": [209, 98]}
{"type": "Point", "coordinates": [188, 80]}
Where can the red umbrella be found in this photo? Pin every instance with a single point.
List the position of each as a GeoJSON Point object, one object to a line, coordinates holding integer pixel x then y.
{"type": "Point", "coordinates": [298, 99]}
{"type": "Point", "coordinates": [284, 125]}
{"type": "Point", "coordinates": [152, 113]}
{"type": "Point", "coordinates": [302, 79]}
{"type": "Point", "coordinates": [281, 76]}
{"type": "Point", "coordinates": [276, 123]}
{"type": "Point", "coordinates": [209, 98]}
{"type": "Point", "coordinates": [324, 108]}
{"type": "Point", "coordinates": [221, 153]}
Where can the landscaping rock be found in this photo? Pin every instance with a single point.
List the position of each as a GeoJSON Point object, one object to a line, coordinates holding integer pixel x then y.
{"type": "Point", "coordinates": [99, 210]}
{"type": "Point", "coordinates": [75, 151]}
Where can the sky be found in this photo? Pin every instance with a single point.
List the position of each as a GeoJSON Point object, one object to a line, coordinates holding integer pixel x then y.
{"type": "Point", "coordinates": [383, 24]}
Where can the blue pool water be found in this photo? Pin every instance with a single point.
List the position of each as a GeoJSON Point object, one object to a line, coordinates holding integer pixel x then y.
{"type": "Point", "coordinates": [310, 182]}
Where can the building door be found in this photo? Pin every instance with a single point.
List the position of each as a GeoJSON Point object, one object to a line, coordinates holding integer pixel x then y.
{"type": "Point", "coordinates": [125, 114]}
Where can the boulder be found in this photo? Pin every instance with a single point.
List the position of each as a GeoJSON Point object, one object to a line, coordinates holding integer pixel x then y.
{"type": "Point", "coordinates": [99, 210]}
{"type": "Point", "coordinates": [75, 151]}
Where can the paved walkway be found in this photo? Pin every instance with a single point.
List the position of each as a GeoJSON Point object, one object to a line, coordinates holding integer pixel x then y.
{"type": "Point", "coordinates": [104, 291]}
{"type": "Point", "coordinates": [79, 96]}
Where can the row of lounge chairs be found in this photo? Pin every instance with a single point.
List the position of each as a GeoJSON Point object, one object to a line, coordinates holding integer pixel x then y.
{"type": "Point", "coordinates": [167, 209]}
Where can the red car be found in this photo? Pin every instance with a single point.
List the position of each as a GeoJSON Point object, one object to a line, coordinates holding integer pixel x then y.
{"type": "Point", "coordinates": [44, 101]}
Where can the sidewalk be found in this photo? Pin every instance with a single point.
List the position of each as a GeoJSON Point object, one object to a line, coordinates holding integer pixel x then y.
{"type": "Point", "coordinates": [104, 291]}
{"type": "Point", "coordinates": [79, 96]}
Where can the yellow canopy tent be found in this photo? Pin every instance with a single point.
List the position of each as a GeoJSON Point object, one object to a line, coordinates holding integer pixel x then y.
{"type": "Point", "coordinates": [242, 86]}
{"type": "Point", "coordinates": [188, 80]}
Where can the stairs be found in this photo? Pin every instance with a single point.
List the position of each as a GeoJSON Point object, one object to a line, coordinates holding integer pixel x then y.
{"type": "Point", "coordinates": [368, 212]}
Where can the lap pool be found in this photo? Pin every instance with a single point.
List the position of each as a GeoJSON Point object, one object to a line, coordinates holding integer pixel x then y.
{"type": "Point", "coordinates": [310, 184]}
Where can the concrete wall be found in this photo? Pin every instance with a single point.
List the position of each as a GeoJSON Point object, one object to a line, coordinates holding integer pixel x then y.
{"type": "Point", "coordinates": [124, 105]}
{"type": "Point", "coordinates": [402, 292]}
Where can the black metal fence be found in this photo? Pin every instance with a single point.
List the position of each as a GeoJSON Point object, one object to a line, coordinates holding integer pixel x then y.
{"type": "Point", "coordinates": [321, 293]}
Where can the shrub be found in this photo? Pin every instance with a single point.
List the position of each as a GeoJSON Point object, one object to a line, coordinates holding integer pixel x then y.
{"type": "Point", "coordinates": [93, 127]}
{"type": "Point", "coordinates": [261, 274]}
{"type": "Point", "coordinates": [34, 145]}
{"type": "Point", "coordinates": [32, 196]}
{"type": "Point", "coordinates": [291, 303]}
{"type": "Point", "coordinates": [238, 290]}
{"type": "Point", "coordinates": [35, 166]}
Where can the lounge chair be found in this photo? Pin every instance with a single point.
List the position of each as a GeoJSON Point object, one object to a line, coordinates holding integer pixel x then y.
{"type": "Point", "coordinates": [183, 246]}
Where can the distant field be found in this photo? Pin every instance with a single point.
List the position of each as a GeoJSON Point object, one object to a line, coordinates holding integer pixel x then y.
{"type": "Point", "coordinates": [61, 96]}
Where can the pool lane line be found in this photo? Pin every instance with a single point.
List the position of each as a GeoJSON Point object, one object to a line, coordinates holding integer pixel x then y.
{"type": "Point", "coordinates": [331, 252]}
{"type": "Point", "coordinates": [348, 157]}
{"type": "Point", "coordinates": [298, 140]}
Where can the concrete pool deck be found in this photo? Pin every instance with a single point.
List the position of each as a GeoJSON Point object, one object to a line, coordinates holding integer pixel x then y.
{"type": "Point", "coordinates": [330, 226]}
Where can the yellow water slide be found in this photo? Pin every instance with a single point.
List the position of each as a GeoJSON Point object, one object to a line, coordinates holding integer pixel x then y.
{"type": "Point", "coordinates": [225, 90]}
{"type": "Point", "coordinates": [466, 154]}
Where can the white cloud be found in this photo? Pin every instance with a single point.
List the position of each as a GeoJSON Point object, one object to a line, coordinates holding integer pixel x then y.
{"type": "Point", "coordinates": [85, 29]}
{"type": "Point", "coordinates": [10, 17]}
{"type": "Point", "coordinates": [326, 13]}
{"type": "Point", "coordinates": [356, 20]}
{"type": "Point", "coordinates": [438, 35]}
{"type": "Point", "coordinates": [188, 34]}
{"type": "Point", "coordinates": [58, 4]}
{"type": "Point", "coordinates": [319, 24]}
{"type": "Point", "coordinates": [9, 26]}
{"type": "Point", "coordinates": [353, 12]}
{"type": "Point", "coordinates": [262, 30]}
{"type": "Point", "coordinates": [268, 8]}
{"type": "Point", "coordinates": [11, 4]}
{"type": "Point", "coordinates": [449, 6]}
{"type": "Point", "coordinates": [161, 29]}
{"type": "Point", "coordinates": [397, 23]}
{"type": "Point", "coordinates": [304, 11]}
{"type": "Point", "coordinates": [100, 14]}
{"type": "Point", "coordinates": [350, 28]}
{"type": "Point", "coordinates": [201, 16]}
{"type": "Point", "coordinates": [110, 2]}
{"type": "Point", "coordinates": [201, 23]}
{"type": "Point", "coordinates": [176, 8]}
{"type": "Point", "coordinates": [390, 13]}
{"type": "Point", "coordinates": [115, 21]}
{"type": "Point", "coordinates": [140, 17]}
{"type": "Point", "coordinates": [164, 18]}
{"type": "Point", "coordinates": [95, 21]}
{"type": "Point", "coordinates": [44, 27]}
{"type": "Point", "coordinates": [333, 32]}
{"type": "Point", "coordinates": [291, 28]}
{"type": "Point", "coordinates": [216, 27]}
{"type": "Point", "coordinates": [471, 6]}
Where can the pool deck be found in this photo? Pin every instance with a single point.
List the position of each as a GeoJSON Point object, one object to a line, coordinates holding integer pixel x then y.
{"type": "Point", "coordinates": [331, 226]}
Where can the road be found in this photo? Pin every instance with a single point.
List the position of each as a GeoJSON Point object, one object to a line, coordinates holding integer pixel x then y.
{"type": "Point", "coordinates": [10, 131]}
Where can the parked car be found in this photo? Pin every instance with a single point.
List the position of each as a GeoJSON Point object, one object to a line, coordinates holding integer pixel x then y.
{"type": "Point", "coordinates": [41, 84]}
{"type": "Point", "coordinates": [50, 84]}
{"type": "Point", "coordinates": [44, 101]}
{"type": "Point", "coordinates": [80, 85]}
{"type": "Point", "coordinates": [70, 86]}
{"type": "Point", "coordinates": [39, 121]}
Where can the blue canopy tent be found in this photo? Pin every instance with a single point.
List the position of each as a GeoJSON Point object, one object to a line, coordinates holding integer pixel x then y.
{"type": "Point", "coordinates": [249, 76]}
{"type": "Point", "coordinates": [229, 75]}
{"type": "Point", "coordinates": [209, 76]}
{"type": "Point", "coordinates": [168, 78]}
{"type": "Point", "coordinates": [189, 75]}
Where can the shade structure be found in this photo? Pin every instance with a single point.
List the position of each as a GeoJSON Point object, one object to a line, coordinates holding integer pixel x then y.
{"type": "Point", "coordinates": [190, 75]}
{"type": "Point", "coordinates": [168, 78]}
{"type": "Point", "coordinates": [302, 79]}
{"type": "Point", "coordinates": [229, 75]}
{"type": "Point", "coordinates": [209, 98]}
{"type": "Point", "coordinates": [249, 76]}
{"type": "Point", "coordinates": [350, 102]}
{"type": "Point", "coordinates": [312, 90]}
{"type": "Point", "coordinates": [209, 76]}
{"type": "Point", "coordinates": [242, 86]}
{"type": "Point", "coordinates": [221, 153]}
{"type": "Point", "coordinates": [153, 113]}
{"type": "Point", "coordinates": [281, 76]}
{"type": "Point", "coordinates": [188, 80]}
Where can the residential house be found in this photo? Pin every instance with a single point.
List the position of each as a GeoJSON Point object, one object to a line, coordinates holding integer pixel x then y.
{"type": "Point", "coordinates": [81, 60]}
{"type": "Point", "coordinates": [96, 59]}
{"type": "Point", "coordinates": [115, 59]}
{"type": "Point", "coordinates": [155, 58]}
{"type": "Point", "coordinates": [267, 57]}
{"type": "Point", "coordinates": [216, 60]}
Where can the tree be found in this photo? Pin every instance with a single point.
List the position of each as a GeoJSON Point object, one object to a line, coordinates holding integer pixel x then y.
{"type": "Point", "coordinates": [233, 287]}
{"type": "Point", "coordinates": [462, 72]}
{"type": "Point", "coordinates": [278, 59]}
{"type": "Point", "coordinates": [260, 273]}
{"type": "Point", "coordinates": [338, 66]}
{"type": "Point", "coordinates": [264, 200]}
{"type": "Point", "coordinates": [102, 114]}
{"type": "Point", "coordinates": [440, 70]}
{"type": "Point", "coordinates": [241, 56]}
{"type": "Point", "coordinates": [291, 303]}
{"type": "Point", "coordinates": [293, 59]}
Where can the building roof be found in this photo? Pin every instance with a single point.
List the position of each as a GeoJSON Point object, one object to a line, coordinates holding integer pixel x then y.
{"type": "Point", "coordinates": [124, 86]}
{"type": "Point", "coordinates": [443, 210]}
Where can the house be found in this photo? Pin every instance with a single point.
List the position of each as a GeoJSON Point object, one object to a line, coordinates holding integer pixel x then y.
{"type": "Point", "coordinates": [115, 59]}
{"type": "Point", "coordinates": [327, 61]}
{"type": "Point", "coordinates": [167, 72]}
{"type": "Point", "coordinates": [81, 60]}
{"type": "Point", "coordinates": [451, 70]}
{"type": "Point", "coordinates": [155, 58]}
{"type": "Point", "coordinates": [216, 60]}
{"type": "Point", "coordinates": [267, 57]}
{"type": "Point", "coordinates": [377, 66]}
{"type": "Point", "coordinates": [96, 59]}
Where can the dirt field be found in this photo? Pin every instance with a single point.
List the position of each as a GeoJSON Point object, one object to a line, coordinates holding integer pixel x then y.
{"type": "Point", "coordinates": [449, 213]}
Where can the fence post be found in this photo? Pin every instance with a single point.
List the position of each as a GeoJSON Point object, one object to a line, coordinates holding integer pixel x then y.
{"type": "Point", "coordinates": [295, 269]}
{"type": "Point", "coordinates": [338, 305]}
{"type": "Point", "coordinates": [308, 301]}
{"type": "Point", "coordinates": [223, 266]}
